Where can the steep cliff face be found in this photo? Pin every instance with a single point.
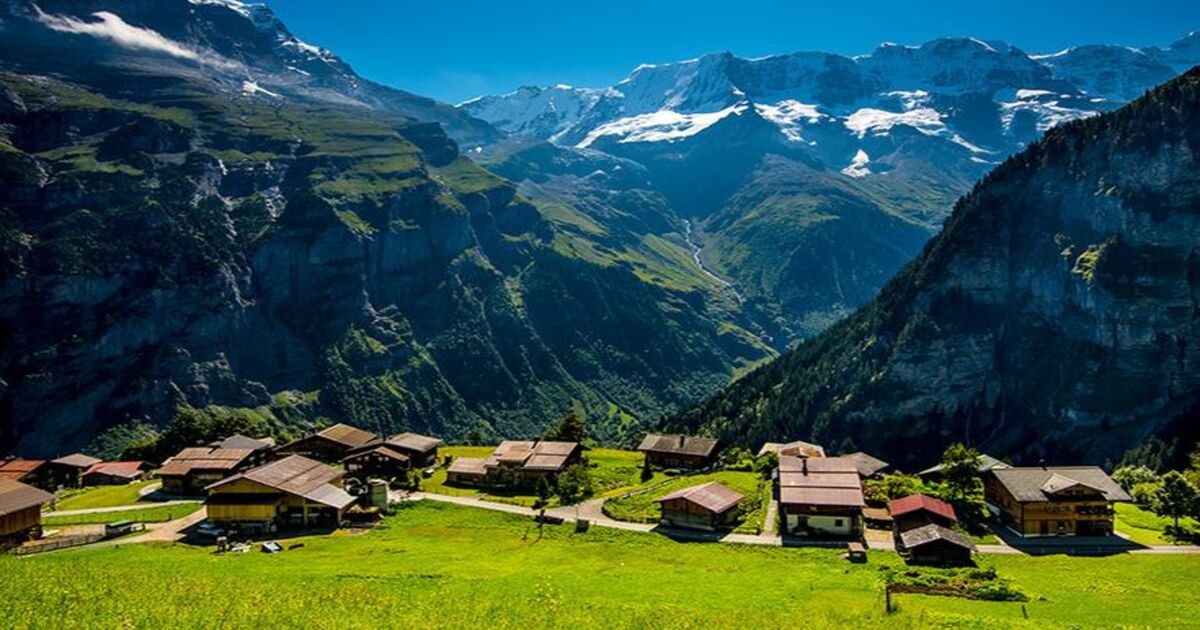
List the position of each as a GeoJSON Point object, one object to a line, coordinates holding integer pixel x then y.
{"type": "Point", "coordinates": [1055, 315]}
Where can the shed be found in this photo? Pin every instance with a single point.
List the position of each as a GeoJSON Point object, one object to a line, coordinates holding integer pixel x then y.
{"type": "Point", "coordinates": [919, 510]}
{"type": "Point", "coordinates": [20, 510]}
{"type": "Point", "coordinates": [934, 544]}
{"type": "Point", "coordinates": [708, 506]}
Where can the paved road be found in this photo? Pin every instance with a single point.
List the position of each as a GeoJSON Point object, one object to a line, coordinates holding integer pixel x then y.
{"type": "Point", "coordinates": [117, 508]}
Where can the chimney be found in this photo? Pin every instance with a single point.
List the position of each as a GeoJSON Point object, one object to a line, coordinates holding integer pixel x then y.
{"type": "Point", "coordinates": [804, 465]}
{"type": "Point", "coordinates": [682, 439]}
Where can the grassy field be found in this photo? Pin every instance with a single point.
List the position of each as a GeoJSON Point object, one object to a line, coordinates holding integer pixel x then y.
{"type": "Point", "coordinates": [613, 471]}
{"type": "Point", "coordinates": [643, 508]}
{"type": "Point", "coordinates": [101, 496]}
{"type": "Point", "coordinates": [1144, 527]}
{"type": "Point", "coordinates": [158, 514]}
{"type": "Point", "coordinates": [437, 565]}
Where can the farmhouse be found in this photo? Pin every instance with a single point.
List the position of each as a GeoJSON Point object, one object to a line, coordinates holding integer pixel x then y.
{"type": "Point", "coordinates": [1054, 500]}
{"type": "Point", "coordinates": [516, 463]}
{"type": "Point", "coordinates": [115, 473]}
{"type": "Point", "coordinates": [679, 451]}
{"type": "Point", "coordinates": [394, 456]}
{"type": "Point", "coordinates": [919, 510]}
{"type": "Point", "coordinates": [868, 466]}
{"type": "Point", "coordinates": [709, 506]}
{"type": "Point", "coordinates": [330, 444]}
{"type": "Point", "coordinates": [193, 469]}
{"type": "Point", "coordinates": [27, 471]}
{"type": "Point", "coordinates": [20, 511]}
{"type": "Point", "coordinates": [67, 472]}
{"type": "Point", "coordinates": [986, 463]}
{"type": "Point", "coordinates": [935, 544]}
{"type": "Point", "coordinates": [294, 491]}
{"type": "Point", "coordinates": [792, 449]}
{"type": "Point", "coordinates": [820, 496]}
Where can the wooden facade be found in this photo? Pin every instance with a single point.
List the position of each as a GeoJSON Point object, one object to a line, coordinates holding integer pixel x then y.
{"type": "Point", "coordinates": [20, 511]}
{"type": "Point", "coordinates": [820, 497]}
{"type": "Point", "coordinates": [293, 492]}
{"type": "Point", "coordinates": [709, 506]}
{"type": "Point", "coordinates": [22, 524]}
{"type": "Point", "coordinates": [1059, 501]}
{"type": "Point", "coordinates": [679, 451]}
{"type": "Point", "coordinates": [330, 445]}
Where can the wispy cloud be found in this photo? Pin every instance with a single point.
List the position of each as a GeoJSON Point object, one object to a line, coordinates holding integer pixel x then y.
{"type": "Point", "coordinates": [114, 29]}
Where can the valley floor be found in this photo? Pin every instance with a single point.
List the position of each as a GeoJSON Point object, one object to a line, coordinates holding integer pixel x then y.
{"type": "Point", "coordinates": [438, 565]}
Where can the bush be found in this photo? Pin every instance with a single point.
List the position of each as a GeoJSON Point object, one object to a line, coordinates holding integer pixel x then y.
{"type": "Point", "coordinates": [1129, 477]}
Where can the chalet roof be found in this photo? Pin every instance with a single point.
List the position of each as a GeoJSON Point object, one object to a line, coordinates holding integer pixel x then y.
{"type": "Point", "coordinates": [817, 465]}
{"type": "Point", "coordinates": [127, 470]}
{"type": "Point", "coordinates": [468, 466]}
{"type": "Point", "coordinates": [16, 496]}
{"type": "Point", "coordinates": [541, 456]}
{"type": "Point", "coordinates": [346, 435]}
{"type": "Point", "coordinates": [986, 463]}
{"type": "Point", "coordinates": [678, 445]}
{"type": "Point", "coordinates": [202, 458]}
{"type": "Point", "coordinates": [78, 460]}
{"type": "Point", "coordinates": [299, 476]}
{"type": "Point", "coordinates": [17, 469]}
{"type": "Point", "coordinates": [868, 465]}
{"type": "Point", "coordinates": [933, 532]}
{"type": "Point", "coordinates": [711, 496]}
{"type": "Point", "coordinates": [242, 441]}
{"type": "Point", "coordinates": [826, 497]}
{"type": "Point", "coordinates": [792, 449]}
{"type": "Point", "coordinates": [820, 481]}
{"type": "Point", "coordinates": [1041, 483]}
{"type": "Point", "coordinates": [382, 449]}
{"type": "Point", "coordinates": [919, 502]}
{"type": "Point", "coordinates": [414, 442]}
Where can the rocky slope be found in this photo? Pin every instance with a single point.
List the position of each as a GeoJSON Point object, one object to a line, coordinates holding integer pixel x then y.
{"type": "Point", "coordinates": [1055, 316]}
{"type": "Point", "coordinates": [877, 146]}
{"type": "Point", "coordinates": [180, 226]}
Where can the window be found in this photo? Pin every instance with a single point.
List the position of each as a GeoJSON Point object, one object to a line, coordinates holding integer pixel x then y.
{"type": "Point", "coordinates": [837, 522]}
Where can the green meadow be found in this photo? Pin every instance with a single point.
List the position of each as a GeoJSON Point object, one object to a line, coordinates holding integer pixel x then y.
{"type": "Point", "coordinates": [157, 514]}
{"type": "Point", "coordinates": [438, 565]}
{"type": "Point", "coordinates": [101, 496]}
{"type": "Point", "coordinates": [643, 507]}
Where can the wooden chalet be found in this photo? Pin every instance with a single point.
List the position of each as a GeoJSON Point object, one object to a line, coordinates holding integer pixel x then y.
{"type": "Point", "coordinates": [67, 472]}
{"type": "Point", "coordinates": [194, 469]}
{"type": "Point", "coordinates": [20, 511]}
{"type": "Point", "coordinates": [986, 463]}
{"type": "Point", "coordinates": [1054, 500]}
{"type": "Point", "coordinates": [241, 441]}
{"type": "Point", "coordinates": [679, 451]}
{"type": "Point", "coordinates": [516, 463]}
{"type": "Point", "coordinates": [820, 496]}
{"type": "Point", "coordinates": [30, 472]}
{"type": "Point", "coordinates": [115, 473]}
{"type": "Point", "coordinates": [393, 457]}
{"type": "Point", "coordinates": [935, 545]}
{"type": "Point", "coordinates": [919, 510]}
{"type": "Point", "coordinates": [294, 491]}
{"type": "Point", "coordinates": [792, 449]}
{"type": "Point", "coordinates": [868, 466]}
{"type": "Point", "coordinates": [709, 506]}
{"type": "Point", "coordinates": [329, 445]}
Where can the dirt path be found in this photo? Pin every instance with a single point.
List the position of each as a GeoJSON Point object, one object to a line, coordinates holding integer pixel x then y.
{"type": "Point", "coordinates": [117, 508]}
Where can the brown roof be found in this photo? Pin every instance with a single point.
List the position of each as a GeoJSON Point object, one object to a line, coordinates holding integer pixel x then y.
{"type": "Point", "coordinates": [822, 481]}
{"type": "Point", "coordinates": [78, 460]}
{"type": "Point", "coordinates": [1041, 483]}
{"type": "Point", "coordinates": [128, 470]}
{"type": "Point", "coordinates": [346, 435]}
{"type": "Point", "coordinates": [920, 502]}
{"type": "Point", "coordinates": [934, 532]}
{"type": "Point", "coordinates": [543, 456]}
{"type": "Point", "coordinates": [202, 458]}
{"type": "Point", "coordinates": [867, 465]}
{"type": "Point", "coordinates": [711, 496]}
{"type": "Point", "coordinates": [242, 441]}
{"type": "Point", "coordinates": [382, 449]}
{"type": "Point", "coordinates": [299, 476]}
{"type": "Point", "coordinates": [468, 466]}
{"type": "Point", "coordinates": [818, 465]}
{"type": "Point", "coordinates": [831, 497]}
{"type": "Point", "coordinates": [415, 442]}
{"type": "Point", "coordinates": [678, 445]}
{"type": "Point", "coordinates": [18, 468]}
{"type": "Point", "coordinates": [16, 496]}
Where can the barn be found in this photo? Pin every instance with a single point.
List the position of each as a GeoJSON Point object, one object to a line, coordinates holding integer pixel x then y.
{"type": "Point", "coordinates": [20, 511]}
{"type": "Point", "coordinates": [709, 506]}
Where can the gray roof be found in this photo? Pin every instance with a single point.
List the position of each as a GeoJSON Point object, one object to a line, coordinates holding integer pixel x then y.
{"type": "Point", "coordinates": [820, 481]}
{"type": "Point", "coordinates": [298, 476]}
{"type": "Point", "coordinates": [986, 463]}
{"type": "Point", "coordinates": [1041, 483]}
{"type": "Point", "coordinates": [818, 465]}
{"type": "Point", "coordinates": [678, 445]}
{"type": "Point", "coordinates": [468, 466]}
{"type": "Point", "coordinates": [78, 460]}
{"type": "Point", "coordinates": [414, 442]}
{"type": "Point", "coordinates": [934, 532]}
{"type": "Point", "coordinates": [711, 496]}
{"type": "Point", "coordinates": [242, 441]}
{"type": "Point", "coordinates": [867, 465]}
{"type": "Point", "coordinates": [16, 496]}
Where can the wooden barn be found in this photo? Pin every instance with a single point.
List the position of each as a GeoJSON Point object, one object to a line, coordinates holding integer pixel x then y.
{"type": "Point", "coordinates": [820, 496]}
{"type": "Point", "coordinates": [1054, 500]}
{"type": "Point", "coordinates": [115, 473]}
{"type": "Point", "coordinates": [193, 469]}
{"type": "Point", "coordinates": [31, 472]}
{"type": "Point", "coordinates": [709, 506]}
{"type": "Point", "coordinates": [868, 466]}
{"type": "Point", "coordinates": [516, 463]}
{"type": "Point", "coordinates": [20, 511]}
{"type": "Point", "coordinates": [329, 445]}
{"type": "Point", "coordinates": [378, 461]}
{"type": "Point", "coordinates": [919, 510]}
{"type": "Point", "coordinates": [291, 492]}
{"type": "Point", "coordinates": [935, 545]}
{"type": "Point", "coordinates": [679, 451]}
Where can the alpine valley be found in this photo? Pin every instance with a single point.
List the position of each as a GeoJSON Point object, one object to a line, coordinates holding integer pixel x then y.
{"type": "Point", "coordinates": [204, 217]}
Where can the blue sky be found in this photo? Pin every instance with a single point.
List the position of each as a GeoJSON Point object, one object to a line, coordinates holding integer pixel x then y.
{"type": "Point", "coordinates": [453, 50]}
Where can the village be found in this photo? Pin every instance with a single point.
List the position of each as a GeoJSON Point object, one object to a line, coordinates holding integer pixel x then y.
{"type": "Point", "coordinates": [241, 491]}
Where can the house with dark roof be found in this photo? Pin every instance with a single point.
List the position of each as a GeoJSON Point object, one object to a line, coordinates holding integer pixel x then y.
{"type": "Point", "coordinates": [1054, 500]}
{"type": "Point", "coordinates": [329, 445]}
{"type": "Point", "coordinates": [918, 510]}
{"type": "Point", "coordinates": [986, 463]}
{"type": "Point", "coordinates": [393, 457]}
{"type": "Point", "coordinates": [115, 473]}
{"type": "Point", "coordinates": [679, 451]}
{"type": "Point", "coordinates": [868, 466]}
{"type": "Point", "coordinates": [709, 506]}
{"type": "Point", "coordinates": [193, 469]}
{"type": "Point", "coordinates": [934, 544]}
{"type": "Point", "coordinates": [291, 492]}
{"type": "Point", "coordinates": [67, 472]}
{"type": "Point", "coordinates": [28, 471]}
{"type": "Point", "coordinates": [516, 463]}
{"type": "Point", "coordinates": [820, 496]}
{"type": "Point", "coordinates": [20, 511]}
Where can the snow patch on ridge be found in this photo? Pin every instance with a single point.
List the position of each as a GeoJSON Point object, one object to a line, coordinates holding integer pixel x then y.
{"type": "Point", "coordinates": [859, 165]}
{"type": "Point", "coordinates": [661, 126]}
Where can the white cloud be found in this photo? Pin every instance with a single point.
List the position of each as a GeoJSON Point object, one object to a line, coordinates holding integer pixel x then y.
{"type": "Point", "coordinates": [118, 31]}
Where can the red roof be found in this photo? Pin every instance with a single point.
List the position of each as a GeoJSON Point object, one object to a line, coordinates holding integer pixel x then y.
{"type": "Point", "coordinates": [127, 470]}
{"type": "Point", "coordinates": [19, 468]}
{"type": "Point", "coordinates": [918, 502]}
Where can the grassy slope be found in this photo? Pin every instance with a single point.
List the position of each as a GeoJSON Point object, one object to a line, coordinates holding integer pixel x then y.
{"type": "Point", "coordinates": [643, 508]}
{"type": "Point", "coordinates": [102, 496]}
{"type": "Point", "coordinates": [148, 515]}
{"type": "Point", "coordinates": [1145, 527]}
{"type": "Point", "coordinates": [440, 565]}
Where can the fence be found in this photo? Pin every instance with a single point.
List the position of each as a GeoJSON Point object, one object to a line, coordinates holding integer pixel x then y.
{"type": "Point", "coordinates": [52, 544]}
